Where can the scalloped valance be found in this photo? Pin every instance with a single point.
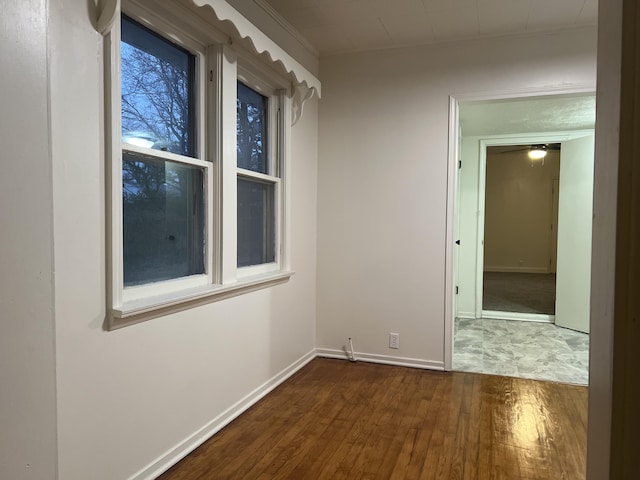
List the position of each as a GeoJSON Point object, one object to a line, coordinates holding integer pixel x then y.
{"type": "Point", "coordinates": [305, 83]}
{"type": "Point", "coordinates": [261, 43]}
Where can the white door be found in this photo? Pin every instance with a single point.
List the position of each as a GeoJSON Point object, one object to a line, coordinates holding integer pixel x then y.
{"type": "Point", "coordinates": [575, 210]}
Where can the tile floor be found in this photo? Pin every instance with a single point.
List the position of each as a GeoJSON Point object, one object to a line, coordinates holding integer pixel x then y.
{"type": "Point", "coordinates": [540, 351]}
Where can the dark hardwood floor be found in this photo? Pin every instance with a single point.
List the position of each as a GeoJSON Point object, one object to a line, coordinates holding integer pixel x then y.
{"type": "Point", "coordinates": [339, 420]}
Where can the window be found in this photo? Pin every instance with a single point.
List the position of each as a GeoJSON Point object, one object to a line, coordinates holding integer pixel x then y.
{"type": "Point", "coordinates": [163, 219]}
{"type": "Point", "coordinates": [162, 200]}
{"type": "Point", "coordinates": [197, 206]}
{"type": "Point", "coordinates": [158, 91]}
{"type": "Point", "coordinates": [257, 180]}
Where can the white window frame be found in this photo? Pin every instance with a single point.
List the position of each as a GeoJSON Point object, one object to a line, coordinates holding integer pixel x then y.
{"type": "Point", "coordinates": [218, 68]}
{"type": "Point", "coordinates": [248, 75]}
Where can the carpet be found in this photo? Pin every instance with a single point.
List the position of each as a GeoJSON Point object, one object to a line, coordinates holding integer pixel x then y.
{"type": "Point", "coordinates": [519, 292]}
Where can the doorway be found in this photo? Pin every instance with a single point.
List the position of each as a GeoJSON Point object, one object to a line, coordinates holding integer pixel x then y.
{"type": "Point", "coordinates": [500, 345]}
{"type": "Point", "coordinates": [520, 232]}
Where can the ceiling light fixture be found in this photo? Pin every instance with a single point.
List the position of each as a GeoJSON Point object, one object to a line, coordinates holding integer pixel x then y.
{"type": "Point", "coordinates": [538, 152]}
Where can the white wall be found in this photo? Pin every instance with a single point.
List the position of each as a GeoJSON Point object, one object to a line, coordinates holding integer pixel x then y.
{"type": "Point", "coordinates": [383, 177]}
{"type": "Point", "coordinates": [128, 397]}
{"type": "Point", "coordinates": [27, 366]}
{"type": "Point", "coordinates": [518, 213]}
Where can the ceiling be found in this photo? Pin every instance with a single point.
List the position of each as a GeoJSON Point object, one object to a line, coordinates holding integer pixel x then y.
{"type": "Point", "coordinates": [336, 26]}
{"type": "Point", "coordinates": [529, 115]}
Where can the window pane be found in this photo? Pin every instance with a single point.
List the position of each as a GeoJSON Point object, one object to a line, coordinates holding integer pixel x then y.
{"type": "Point", "coordinates": [163, 219]}
{"type": "Point", "coordinates": [252, 129]}
{"type": "Point", "coordinates": [158, 99]}
{"type": "Point", "coordinates": [256, 222]}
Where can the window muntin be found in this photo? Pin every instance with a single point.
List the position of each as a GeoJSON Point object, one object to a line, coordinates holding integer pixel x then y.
{"type": "Point", "coordinates": [157, 91]}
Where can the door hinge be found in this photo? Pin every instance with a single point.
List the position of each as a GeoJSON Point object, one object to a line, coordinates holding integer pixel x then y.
{"type": "Point", "coordinates": [459, 164]}
{"type": "Point", "coordinates": [457, 290]}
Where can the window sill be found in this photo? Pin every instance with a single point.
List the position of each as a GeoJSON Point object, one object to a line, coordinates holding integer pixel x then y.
{"type": "Point", "coordinates": [146, 309]}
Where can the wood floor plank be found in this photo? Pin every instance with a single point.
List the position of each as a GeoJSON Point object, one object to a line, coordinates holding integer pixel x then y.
{"type": "Point", "coordinates": [340, 420]}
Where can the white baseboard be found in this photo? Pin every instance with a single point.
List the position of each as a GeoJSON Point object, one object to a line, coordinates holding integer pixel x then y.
{"type": "Point", "coordinates": [517, 269]}
{"type": "Point", "coordinates": [521, 317]}
{"type": "Point", "coordinates": [177, 453]}
{"type": "Point", "coordinates": [466, 315]}
{"type": "Point", "coordinates": [383, 359]}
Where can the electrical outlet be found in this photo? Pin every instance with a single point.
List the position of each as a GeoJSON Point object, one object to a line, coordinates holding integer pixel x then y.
{"type": "Point", "coordinates": [394, 340]}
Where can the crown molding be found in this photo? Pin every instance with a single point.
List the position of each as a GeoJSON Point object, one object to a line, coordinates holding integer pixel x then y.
{"type": "Point", "coordinates": [290, 29]}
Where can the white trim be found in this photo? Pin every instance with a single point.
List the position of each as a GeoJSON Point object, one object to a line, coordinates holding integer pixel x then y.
{"type": "Point", "coordinates": [463, 41]}
{"type": "Point", "coordinates": [518, 316]}
{"type": "Point", "coordinates": [508, 269]}
{"type": "Point", "coordinates": [109, 10]}
{"type": "Point", "coordinates": [301, 95]}
{"type": "Point", "coordinates": [244, 173]}
{"type": "Point", "coordinates": [499, 140]}
{"type": "Point", "coordinates": [383, 359]}
{"type": "Point", "coordinates": [258, 269]}
{"type": "Point", "coordinates": [113, 165]}
{"type": "Point", "coordinates": [284, 154]}
{"type": "Point", "coordinates": [151, 307]}
{"type": "Point", "coordinates": [452, 201]}
{"type": "Point", "coordinates": [184, 27]}
{"type": "Point", "coordinates": [186, 446]}
{"type": "Point", "coordinates": [257, 76]}
{"type": "Point", "coordinates": [287, 27]}
{"type": "Point", "coordinates": [214, 148]}
{"type": "Point", "coordinates": [260, 42]}
{"type": "Point", "coordinates": [482, 180]}
{"type": "Point", "coordinates": [466, 315]}
{"type": "Point", "coordinates": [228, 81]}
{"type": "Point", "coordinates": [532, 137]}
{"type": "Point", "coordinates": [161, 154]}
{"type": "Point", "coordinates": [518, 94]}
{"type": "Point", "coordinates": [166, 287]}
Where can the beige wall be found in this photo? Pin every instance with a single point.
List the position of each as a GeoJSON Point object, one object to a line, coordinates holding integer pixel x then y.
{"type": "Point", "coordinates": [518, 212]}
{"type": "Point", "coordinates": [27, 349]}
{"type": "Point", "coordinates": [384, 130]}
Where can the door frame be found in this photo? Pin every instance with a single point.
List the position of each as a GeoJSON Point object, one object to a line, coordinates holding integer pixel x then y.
{"type": "Point", "coordinates": [452, 180]}
{"type": "Point", "coordinates": [553, 237]}
{"type": "Point", "coordinates": [495, 141]}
